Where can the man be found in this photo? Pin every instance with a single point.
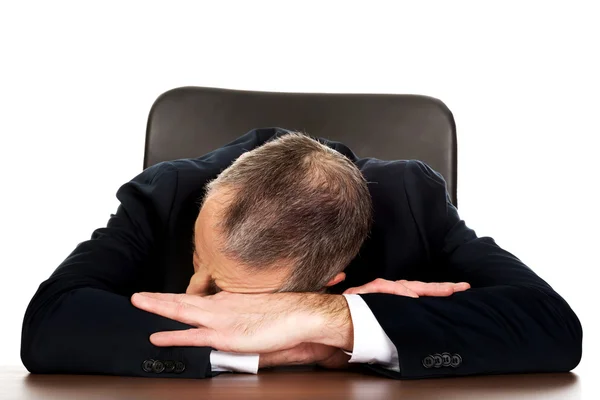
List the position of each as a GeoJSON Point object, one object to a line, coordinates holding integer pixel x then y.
{"type": "Point", "coordinates": [292, 250]}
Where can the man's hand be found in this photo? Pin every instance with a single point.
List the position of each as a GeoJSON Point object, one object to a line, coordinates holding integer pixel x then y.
{"type": "Point", "coordinates": [410, 288]}
{"type": "Point", "coordinates": [331, 357]}
{"type": "Point", "coordinates": [252, 323]}
{"type": "Point", "coordinates": [306, 353]}
{"type": "Point", "coordinates": [200, 281]}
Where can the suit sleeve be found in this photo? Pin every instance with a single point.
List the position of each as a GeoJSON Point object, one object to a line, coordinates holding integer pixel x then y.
{"type": "Point", "coordinates": [81, 319]}
{"type": "Point", "coordinates": [510, 321]}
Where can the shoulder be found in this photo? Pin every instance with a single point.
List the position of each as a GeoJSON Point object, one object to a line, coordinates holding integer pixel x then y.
{"type": "Point", "coordinates": [382, 169]}
{"type": "Point", "coordinates": [218, 159]}
{"type": "Point", "coordinates": [422, 180]}
{"type": "Point", "coordinates": [410, 182]}
{"type": "Point", "coordinates": [406, 173]}
{"type": "Point", "coordinates": [411, 166]}
{"type": "Point", "coordinates": [154, 175]}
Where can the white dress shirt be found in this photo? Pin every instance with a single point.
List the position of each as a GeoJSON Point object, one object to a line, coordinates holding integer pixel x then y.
{"type": "Point", "coordinates": [371, 344]}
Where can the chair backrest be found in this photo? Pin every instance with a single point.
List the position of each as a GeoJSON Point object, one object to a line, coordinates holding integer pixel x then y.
{"type": "Point", "coordinates": [191, 121]}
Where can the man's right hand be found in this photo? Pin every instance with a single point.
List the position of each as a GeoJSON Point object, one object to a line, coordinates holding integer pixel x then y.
{"type": "Point", "coordinates": [410, 288]}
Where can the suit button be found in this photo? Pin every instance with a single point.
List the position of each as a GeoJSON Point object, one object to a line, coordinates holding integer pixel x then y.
{"type": "Point", "coordinates": [446, 359]}
{"type": "Point", "coordinates": [179, 367]}
{"type": "Point", "coordinates": [437, 360]}
{"type": "Point", "coordinates": [456, 360]}
{"type": "Point", "coordinates": [169, 366]}
{"type": "Point", "coordinates": [428, 362]}
{"type": "Point", "coordinates": [158, 367]}
{"type": "Point", "coordinates": [147, 365]}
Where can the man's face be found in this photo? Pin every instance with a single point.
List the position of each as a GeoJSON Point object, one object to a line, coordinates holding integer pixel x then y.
{"type": "Point", "coordinates": [214, 272]}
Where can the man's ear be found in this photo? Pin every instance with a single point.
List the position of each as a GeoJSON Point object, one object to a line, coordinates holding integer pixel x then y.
{"type": "Point", "coordinates": [336, 279]}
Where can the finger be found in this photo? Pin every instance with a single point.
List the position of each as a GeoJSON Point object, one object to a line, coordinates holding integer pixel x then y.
{"type": "Point", "coordinates": [380, 285]}
{"type": "Point", "coordinates": [360, 289]}
{"type": "Point", "coordinates": [196, 337]}
{"type": "Point", "coordinates": [176, 310]}
{"type": "Point", "coordinates": [383, 286]}
{"type": "Point", "coordinates": [461, 287]}
{"type": "Point", "coordinates": [439, 289]}
{"type": "Point", "coordinates": [162, 296]}
{"type": "Point", "coordinates": [370, 286]}
{"type": "Point", "coordinates": [356, 289]}
{"type": "Point", "coordinates": [199, 284]}
{"type": "Point", "coordinates": [429, 288]}
{"type": "Point", "coordinates": [200, 337]}
{"type": "Point", "coordinates": [175, 297]}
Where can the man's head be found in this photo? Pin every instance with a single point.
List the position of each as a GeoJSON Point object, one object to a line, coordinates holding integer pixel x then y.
{"type": "Point", "coordinates": [287, 216]}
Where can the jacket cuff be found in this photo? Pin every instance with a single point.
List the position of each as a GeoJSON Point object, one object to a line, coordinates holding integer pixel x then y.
{"type": "Point", "coordinates": [371, 344]}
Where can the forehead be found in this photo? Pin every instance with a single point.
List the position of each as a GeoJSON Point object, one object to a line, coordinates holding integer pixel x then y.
{"type": "Point", "coordinates": [205, 225]}
{"type": "Point", "coordinates": [228, 274]}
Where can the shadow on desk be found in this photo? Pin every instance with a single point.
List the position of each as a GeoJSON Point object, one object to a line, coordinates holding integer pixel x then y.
{"type": "Point", "coordinates": [295, 384]}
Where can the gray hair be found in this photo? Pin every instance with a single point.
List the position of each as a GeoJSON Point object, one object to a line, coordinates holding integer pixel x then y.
{"type": "Point", "coordinates": [294, 201]}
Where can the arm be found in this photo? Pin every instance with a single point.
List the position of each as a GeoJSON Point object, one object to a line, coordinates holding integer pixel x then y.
{"type": "Point", "coordinates": [509, 321]}
{"type": "Point", "coordinates": [81, 320]}
{"type": "Point", "coordinates": [371, 344]}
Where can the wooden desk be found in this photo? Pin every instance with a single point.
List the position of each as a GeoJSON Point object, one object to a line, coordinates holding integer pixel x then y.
{"type": "Point", "coordinates": [17, 384]}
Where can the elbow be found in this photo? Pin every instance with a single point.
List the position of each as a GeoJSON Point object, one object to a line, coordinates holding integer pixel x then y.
{"type": "Point", "coordinates": [36, 338]}
{"type": "Point", "coordinates": [550, 331]}
{"type": "Point", "coordinates": [574, 339]}
{"type": "Point", "coordinates": [38, 350]}
{"type": "Point", "coordinates": [568, 335]}
{"type": "Point", "coordinates": [571, 354]}
{"type": "Point", "coordinates": [574, 357]}
{"type": "Point", "coordinates": [28, 355]}
{"type": "Point", "coordinates": [29, 361]}
{"type": "Point", "coordinates": [39, 337]}
{"type": "Point", "coordinates": [32, 354]}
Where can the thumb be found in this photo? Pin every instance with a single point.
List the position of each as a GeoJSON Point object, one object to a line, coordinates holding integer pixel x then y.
{"type": "Point", "coordinates": [198, 284]}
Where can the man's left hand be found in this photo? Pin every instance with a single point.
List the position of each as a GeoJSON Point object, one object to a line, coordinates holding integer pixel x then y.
{"type": "Point", "coordinates": [306, 353]}
{"type": "Point", "coordinates": [251, 323]}
{"type": "Point", "coordinates": [410, 288]}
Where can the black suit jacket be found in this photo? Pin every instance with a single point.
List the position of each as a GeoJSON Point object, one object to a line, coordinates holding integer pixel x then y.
{"type": "Point", "coordinates": [81, 319]}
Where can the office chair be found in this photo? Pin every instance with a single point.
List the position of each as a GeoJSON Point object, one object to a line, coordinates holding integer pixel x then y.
{"type": "Point", "coordinates": [191, 121]}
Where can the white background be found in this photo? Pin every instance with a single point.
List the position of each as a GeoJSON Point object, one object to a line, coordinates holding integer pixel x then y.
{"type": "Point", "coordinates": [77, 80]}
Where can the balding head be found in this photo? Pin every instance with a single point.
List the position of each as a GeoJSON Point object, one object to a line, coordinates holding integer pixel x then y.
{"type": "Point", "coordinates": [292, 208]}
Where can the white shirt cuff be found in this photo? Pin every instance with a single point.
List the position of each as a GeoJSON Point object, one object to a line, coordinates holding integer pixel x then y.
{"type": "Point", "coordinates": [222, 361]}
{"type": "Point", "coordinates": [371, 344]}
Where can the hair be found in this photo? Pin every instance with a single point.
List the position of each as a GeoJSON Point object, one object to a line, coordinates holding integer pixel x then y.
{"type": "Point", "coordinates": [293, 201]}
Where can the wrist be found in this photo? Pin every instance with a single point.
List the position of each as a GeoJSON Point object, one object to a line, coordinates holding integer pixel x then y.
{"type": "Point", "coordinates": [333, 323]}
